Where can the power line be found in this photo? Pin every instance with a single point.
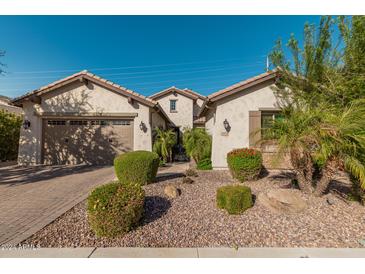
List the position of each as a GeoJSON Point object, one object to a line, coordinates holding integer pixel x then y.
{"type": "Point", "coordinates": [146, 85]}
{"type": "Point", "coordinates": [153, 74]}
{"type": "Point", "coordinates": [129, 67]}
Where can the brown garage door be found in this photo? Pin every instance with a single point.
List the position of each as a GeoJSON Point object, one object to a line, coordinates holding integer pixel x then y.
{"type": "Point", "coordinates": [90, 141]}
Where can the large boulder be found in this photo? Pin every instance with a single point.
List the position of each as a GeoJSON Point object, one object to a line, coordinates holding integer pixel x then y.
{"type": "Point", "coordinates": [283, 201]}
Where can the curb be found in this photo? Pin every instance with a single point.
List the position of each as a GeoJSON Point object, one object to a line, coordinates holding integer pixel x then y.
{"type": "Point", "coordinates": [135, 252]}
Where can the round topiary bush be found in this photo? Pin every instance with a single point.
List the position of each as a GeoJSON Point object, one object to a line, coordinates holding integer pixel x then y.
{"type": "Point", "coordinates": [136, 167]}
{"type": "Point", "coordinates": [234, 198]}
{"type": "Point", "coordinates": [244, 164]}
{"type": "Point", "coordinates": [114, 209]}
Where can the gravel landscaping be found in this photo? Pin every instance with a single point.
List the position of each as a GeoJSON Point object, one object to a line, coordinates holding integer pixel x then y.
{"type": "Point", "coordinates": [193, 220]}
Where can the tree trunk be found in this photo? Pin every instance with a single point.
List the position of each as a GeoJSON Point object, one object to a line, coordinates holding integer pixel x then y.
{"type": "Point", "coordinates": [304, 184]}
{"type": "Point", "coordinates": [328, 172]}
{"type": "Point", "coordinates": [322, 185]}
{"type": "Point", "coordinates": [303, 166]}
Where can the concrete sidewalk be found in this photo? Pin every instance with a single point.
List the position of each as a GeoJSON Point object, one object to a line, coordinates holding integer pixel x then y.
{"type": "Point", "coordinates": [184, 253]}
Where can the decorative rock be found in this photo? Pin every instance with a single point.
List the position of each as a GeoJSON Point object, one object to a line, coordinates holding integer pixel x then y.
{"type": "Point", "coordinates": [330, 201]}
{"type": "Point", "coordinates": [283, 201]}
{"type": "Point", "coordinates": [171, 191]}
{"type": "Point", "coordinates": [187, 180]}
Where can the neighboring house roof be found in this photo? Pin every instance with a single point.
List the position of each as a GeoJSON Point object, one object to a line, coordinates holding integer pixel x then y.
{"type": "Point", "coordinates": [12, 109]}
{"type": "Point", "coordinates": [185, 92]}
{"type": "Point", "coordinates": [4, 99]}
{"type": "Point", "coordinates": [88, 76]}
{"type": "Point", "coordinates": [238, 87]}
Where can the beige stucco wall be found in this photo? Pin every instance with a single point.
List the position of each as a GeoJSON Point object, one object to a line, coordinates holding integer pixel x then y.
{"type": "Point", "coordinates": [30, 139]}
{"type": "Point", "coordinates": [184, 106]}
{"type": "Point", "coordinates": [235, 109]}
{"type": "Point", "coordinates": [157, 120]}
{"type": "Point", "coordinates": [78, 98]}
{"type": "Point", "coordinates": [197, 106]}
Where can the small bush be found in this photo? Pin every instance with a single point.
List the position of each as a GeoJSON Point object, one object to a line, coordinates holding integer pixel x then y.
{"type": "Point", "coordinates": [191, 172]}
{"type": "Point", "coordinates": [114, 209]}
{"type": "Point", "coordinates": [244, 164]}
{"type": "Point", "coordinates": [136, 167]}
{"type": "Point", "coordinates": [205, 164]}
{"type": "Point", "coordinates": [233, 198]}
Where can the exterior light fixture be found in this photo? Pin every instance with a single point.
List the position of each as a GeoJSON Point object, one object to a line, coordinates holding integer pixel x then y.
{"type": "Point", "coordinates": [26, 124]}
{"type": "Point", "coordinates": [143, 127]}
{"type": "Point", "coordinates": [226, 125]}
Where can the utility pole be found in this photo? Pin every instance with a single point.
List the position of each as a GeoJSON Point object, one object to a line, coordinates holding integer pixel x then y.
{"type": "Point", "coordinates": [267, 63]}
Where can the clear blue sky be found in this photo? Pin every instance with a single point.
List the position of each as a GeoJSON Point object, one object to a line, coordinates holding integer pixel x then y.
{"type": "Point", "coordinates": [143, 53]}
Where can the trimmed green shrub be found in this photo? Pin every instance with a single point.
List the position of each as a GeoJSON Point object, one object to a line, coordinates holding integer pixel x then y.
{"type": "Point", "coordinates": [244, 164]}
{"type": "Point", "coordinates": [114, 209]}
{"type": "Point", "coordinates": [136, 167]}
{"type": "Point", "coordinates": [191, 172]}
{"type": "Point", "coordinates": [9, 135]}
{"type": "Point", "coordinates": [234, 198]}
{"type": "Point", "coordinates": [205, 164]}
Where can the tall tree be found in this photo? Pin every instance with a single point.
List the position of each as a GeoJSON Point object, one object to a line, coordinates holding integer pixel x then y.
{"type": "Point", "coordinates": [321, 92]}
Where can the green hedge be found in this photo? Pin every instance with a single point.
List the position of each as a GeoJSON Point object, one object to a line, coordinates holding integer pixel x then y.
{"type": "Point", "coordinates": [136, 167]}
{"type": "Point", "coordinates": [9, 135]}
{"type": "Point", "coordinates": [114, 209]}
{"type": "Point", "coordinates": [244, 164]}
{"type": "Point", "coordinates": [205, 164]}
{"type": "Point", "coordinates": [233, 198]}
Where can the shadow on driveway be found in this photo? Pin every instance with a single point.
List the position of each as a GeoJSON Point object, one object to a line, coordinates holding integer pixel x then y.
{"type": "Point", "coordinates": [17, 175]}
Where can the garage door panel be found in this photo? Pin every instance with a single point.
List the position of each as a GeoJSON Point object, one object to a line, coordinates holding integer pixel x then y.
{"type": "Point", "coordinates": [86, 141]}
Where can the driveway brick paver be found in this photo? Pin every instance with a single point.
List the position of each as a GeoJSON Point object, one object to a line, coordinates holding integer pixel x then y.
{"type": "Point", "coordinates": [32, 197]}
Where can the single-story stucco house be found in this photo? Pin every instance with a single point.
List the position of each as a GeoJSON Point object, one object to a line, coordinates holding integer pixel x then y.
{"type": "Point", "coordinates": [86, 119]}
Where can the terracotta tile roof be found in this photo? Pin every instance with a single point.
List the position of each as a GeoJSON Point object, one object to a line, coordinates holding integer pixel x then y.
{"type": "Point", "coordinates": [195, 93]}
{"type": "Point", "coordinates": [186, 92]}
{"type": "Point", "coordinates": [90, 76]}
{"type": "Point", "coordinates": [243, 85]}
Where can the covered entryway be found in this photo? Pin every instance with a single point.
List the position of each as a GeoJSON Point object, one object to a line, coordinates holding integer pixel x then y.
{"type": "Point", "coordinates": [90, 141]}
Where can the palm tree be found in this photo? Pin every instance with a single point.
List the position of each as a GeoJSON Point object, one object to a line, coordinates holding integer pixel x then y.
{"type": "Point", "coordinates": [294, 136]}
{"type": "Point", "coordinates": [165, 140]}
{"type": "Point", "coordinates": [333, 139]}
{"type": "Point", "coordinates": [197, 143]}
{"type": "Point", "coordinates": [341, 144]}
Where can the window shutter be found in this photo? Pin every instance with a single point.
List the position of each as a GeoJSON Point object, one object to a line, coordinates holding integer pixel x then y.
{"type": "Point", "coordinates": [254, 127]}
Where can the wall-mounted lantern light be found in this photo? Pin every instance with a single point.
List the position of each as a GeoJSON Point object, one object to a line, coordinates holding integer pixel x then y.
{"type": "Point", "coordinates": [142, 126]}
{"type": "Point", "coordinates": [26, 124]}
{"type": "Point", "coordinates": [226, 125]}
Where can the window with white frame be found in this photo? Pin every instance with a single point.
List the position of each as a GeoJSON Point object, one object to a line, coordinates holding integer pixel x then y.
{"type": "Point", "coordinates": [173, 105]}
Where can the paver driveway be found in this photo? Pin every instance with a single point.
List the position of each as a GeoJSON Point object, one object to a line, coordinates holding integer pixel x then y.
{"type": "Point", "coordinates": [32, 197]}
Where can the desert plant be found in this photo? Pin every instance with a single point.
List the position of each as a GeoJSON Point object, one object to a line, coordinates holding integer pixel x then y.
{"type": "Point", "coordinates": [197, 143]}
{"type": "Point", "coordinates": [9, 135]}
{"type": "Point", "coordinates": [114, 209]}
{"type": "Point", "coordinates": [165, 140]}
{"type": "Point", "coordinates": [191, 172]}
{"type": "Point", "coordinates": [136, 167]}
{"type": "Point", "coordinates": [321, 94]}
{"type": "Point", "coordinates": [244, 164]}
{"type": "Point", "coordinates": [234, 198]}
{"type": "Point", "coordinates": [204, 164]}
